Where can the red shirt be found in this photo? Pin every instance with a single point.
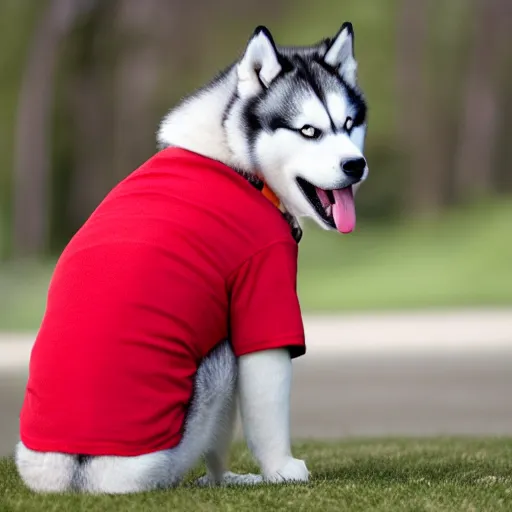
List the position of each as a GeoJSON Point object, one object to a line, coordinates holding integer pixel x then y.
{"type": "Point", "coordinates": [179, 256]}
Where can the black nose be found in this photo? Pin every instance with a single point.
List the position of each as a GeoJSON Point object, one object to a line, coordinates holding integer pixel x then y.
{"type": "Point", "coordinates": [354, 168]}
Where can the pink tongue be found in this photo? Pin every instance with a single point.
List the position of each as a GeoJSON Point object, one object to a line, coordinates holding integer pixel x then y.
{"type": "Point", "coordinates": [344, 210]}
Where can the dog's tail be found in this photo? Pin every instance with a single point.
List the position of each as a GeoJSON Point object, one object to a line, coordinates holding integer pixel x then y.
{"type": "Point", "coordinates": [214, 391]}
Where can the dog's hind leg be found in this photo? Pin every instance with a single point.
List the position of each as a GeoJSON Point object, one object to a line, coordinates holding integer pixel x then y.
{"type": "Point", "coordinates": [46, 471]}
{"type": "Point", "coordinates": [214, 390]}
{"type": "Point", "coordinates": [216, 457]}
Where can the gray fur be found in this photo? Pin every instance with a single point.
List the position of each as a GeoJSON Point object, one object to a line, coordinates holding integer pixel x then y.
{"type": "Point", "coordinates": [252, 118]}
{"type": "Point", "coordinates": [214, 393]}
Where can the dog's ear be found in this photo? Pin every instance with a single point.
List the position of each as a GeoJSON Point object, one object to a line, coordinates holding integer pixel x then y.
{"type": "Point", "coordinates": [259, 65]}
{"type": "Point", "coordinates": [340, 54]}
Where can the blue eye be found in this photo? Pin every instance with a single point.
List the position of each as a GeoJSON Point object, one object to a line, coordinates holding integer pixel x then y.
{"type": "Point", "coordinates": [349, 124]}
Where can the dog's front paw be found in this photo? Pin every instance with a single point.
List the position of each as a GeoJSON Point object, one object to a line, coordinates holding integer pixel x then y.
{"type": "Point", "coordinates": [294, 470]}
{"type": "Point", "coordinates": [229, 478]}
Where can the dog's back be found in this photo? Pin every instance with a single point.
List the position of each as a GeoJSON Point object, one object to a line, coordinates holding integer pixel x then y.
{"type": "Point", "coordinates": [138, 298]}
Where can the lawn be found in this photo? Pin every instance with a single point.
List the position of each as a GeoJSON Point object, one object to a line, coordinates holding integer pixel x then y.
{"type": "Point", "coordinates": [460, 259]}
{"type": "Point", "coordinates": [457, 260]}
{"type": "Point", "coordinates": [388, 475]}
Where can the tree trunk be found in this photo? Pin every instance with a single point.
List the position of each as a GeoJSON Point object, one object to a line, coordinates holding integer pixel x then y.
{"type": "Point", "coordinates": [426, 186]}
{"type": "Point", "coordinates": [32, 155]}
{"type": "Point", "coordinates": [473, 173]}
{"type": "Point", "coordinates": [135, 82]}
{"type": "Point", "coordinates": [502, 157]}
{"type": "Point", "coordinates": [90, 102]}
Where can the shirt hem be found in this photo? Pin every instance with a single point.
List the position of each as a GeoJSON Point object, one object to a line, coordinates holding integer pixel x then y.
{"type": "Point", "coordinates": [96, 449]}
{"type": "Point", "coordinates": [295, 344]}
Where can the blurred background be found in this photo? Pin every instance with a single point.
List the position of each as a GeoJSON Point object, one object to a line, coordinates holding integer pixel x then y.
{"type": "Point", "coordinates": [84, 84]}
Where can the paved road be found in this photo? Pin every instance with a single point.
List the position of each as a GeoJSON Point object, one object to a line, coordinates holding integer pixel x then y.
{"type": "Point", "coordinates": [373, 375]}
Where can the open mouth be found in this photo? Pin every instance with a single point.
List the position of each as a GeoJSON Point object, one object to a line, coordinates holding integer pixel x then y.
{"type": "Point", "coordinates": [335, 207]}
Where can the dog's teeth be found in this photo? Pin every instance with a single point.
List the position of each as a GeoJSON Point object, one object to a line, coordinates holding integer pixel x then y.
{"type": "Point", "coordinates": [328, 210]}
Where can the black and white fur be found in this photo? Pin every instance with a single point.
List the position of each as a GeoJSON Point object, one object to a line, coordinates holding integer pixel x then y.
{"type": "Point", "coordinates": [286, 113]}
{"type": "Point", "coordinates": [283, 113]}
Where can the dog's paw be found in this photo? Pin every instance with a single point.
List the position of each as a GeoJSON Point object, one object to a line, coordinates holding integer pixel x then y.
{"type": "Point", "coordinates": [242, 478]}
{"type": "Point", "coordinates": [229, 478]}
{"type": "Point", "coordinates": [294, 470]}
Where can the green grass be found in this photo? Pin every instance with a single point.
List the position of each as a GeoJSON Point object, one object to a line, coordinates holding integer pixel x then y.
{"type": "Point", "coordinates": [463, 258]}
{"type": "Point", "coordinates": [23, 289]}
{"type": "Point", "coordinates": [460, 259]}
{"type": "Point", "coordinates": [392, 475]}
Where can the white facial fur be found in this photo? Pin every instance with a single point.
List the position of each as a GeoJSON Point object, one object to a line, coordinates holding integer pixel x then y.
{"type": "Point", "coordinates": [285, 155]}
{"type": "Point", "coordinates": [214, 122]}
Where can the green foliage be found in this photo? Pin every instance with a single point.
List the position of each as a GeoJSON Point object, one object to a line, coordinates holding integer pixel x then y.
{"type": "Point", "coordinates": [19, 19]}
{"type": "Point", "coordinates": [375, 24]}
{"type": "Point", "coordinates": [461, 258]}
{"type": "Point", "coordinates": [392, 260]}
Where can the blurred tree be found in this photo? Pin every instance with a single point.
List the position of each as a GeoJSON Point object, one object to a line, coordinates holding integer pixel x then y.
{"type": "Point", "coordinates": [136, 78]}
{"type": "Point", "coordinates": [98, 76]}
{"type": "Point", "coordinates": [425, 186]}
{"type": "Point", "coordinates": [126, 63]}
{"type": "Point", "coordinates": [413, 92]}
{"type": "Point", "coordinates": [32, 157]}
{"type": "Point", "coordinates": [502, 162]}
{"type": "Point", "coordinates": [449, 41]}
{"type": "Point", "coordinates": [473, 173]}
{"type": "Point", "coordinates": [88, 69]}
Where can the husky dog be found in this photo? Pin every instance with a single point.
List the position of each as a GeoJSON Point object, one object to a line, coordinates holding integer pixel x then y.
{"type": "Point", "coordinates": [293, 117]}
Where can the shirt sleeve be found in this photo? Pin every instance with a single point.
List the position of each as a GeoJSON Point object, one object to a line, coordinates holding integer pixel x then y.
{"type": "Point", "coordinates": [264, 307]}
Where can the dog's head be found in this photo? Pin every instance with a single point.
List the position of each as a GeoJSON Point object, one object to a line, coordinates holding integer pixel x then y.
{"type": "Point", "coordinates": [300, 118]}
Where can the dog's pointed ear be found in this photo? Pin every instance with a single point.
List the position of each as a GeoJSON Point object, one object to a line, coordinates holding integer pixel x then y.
{"type": "Point", "coordinates": [259, 65]}
{"type": "Point", "coordinates": [340, 54]}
